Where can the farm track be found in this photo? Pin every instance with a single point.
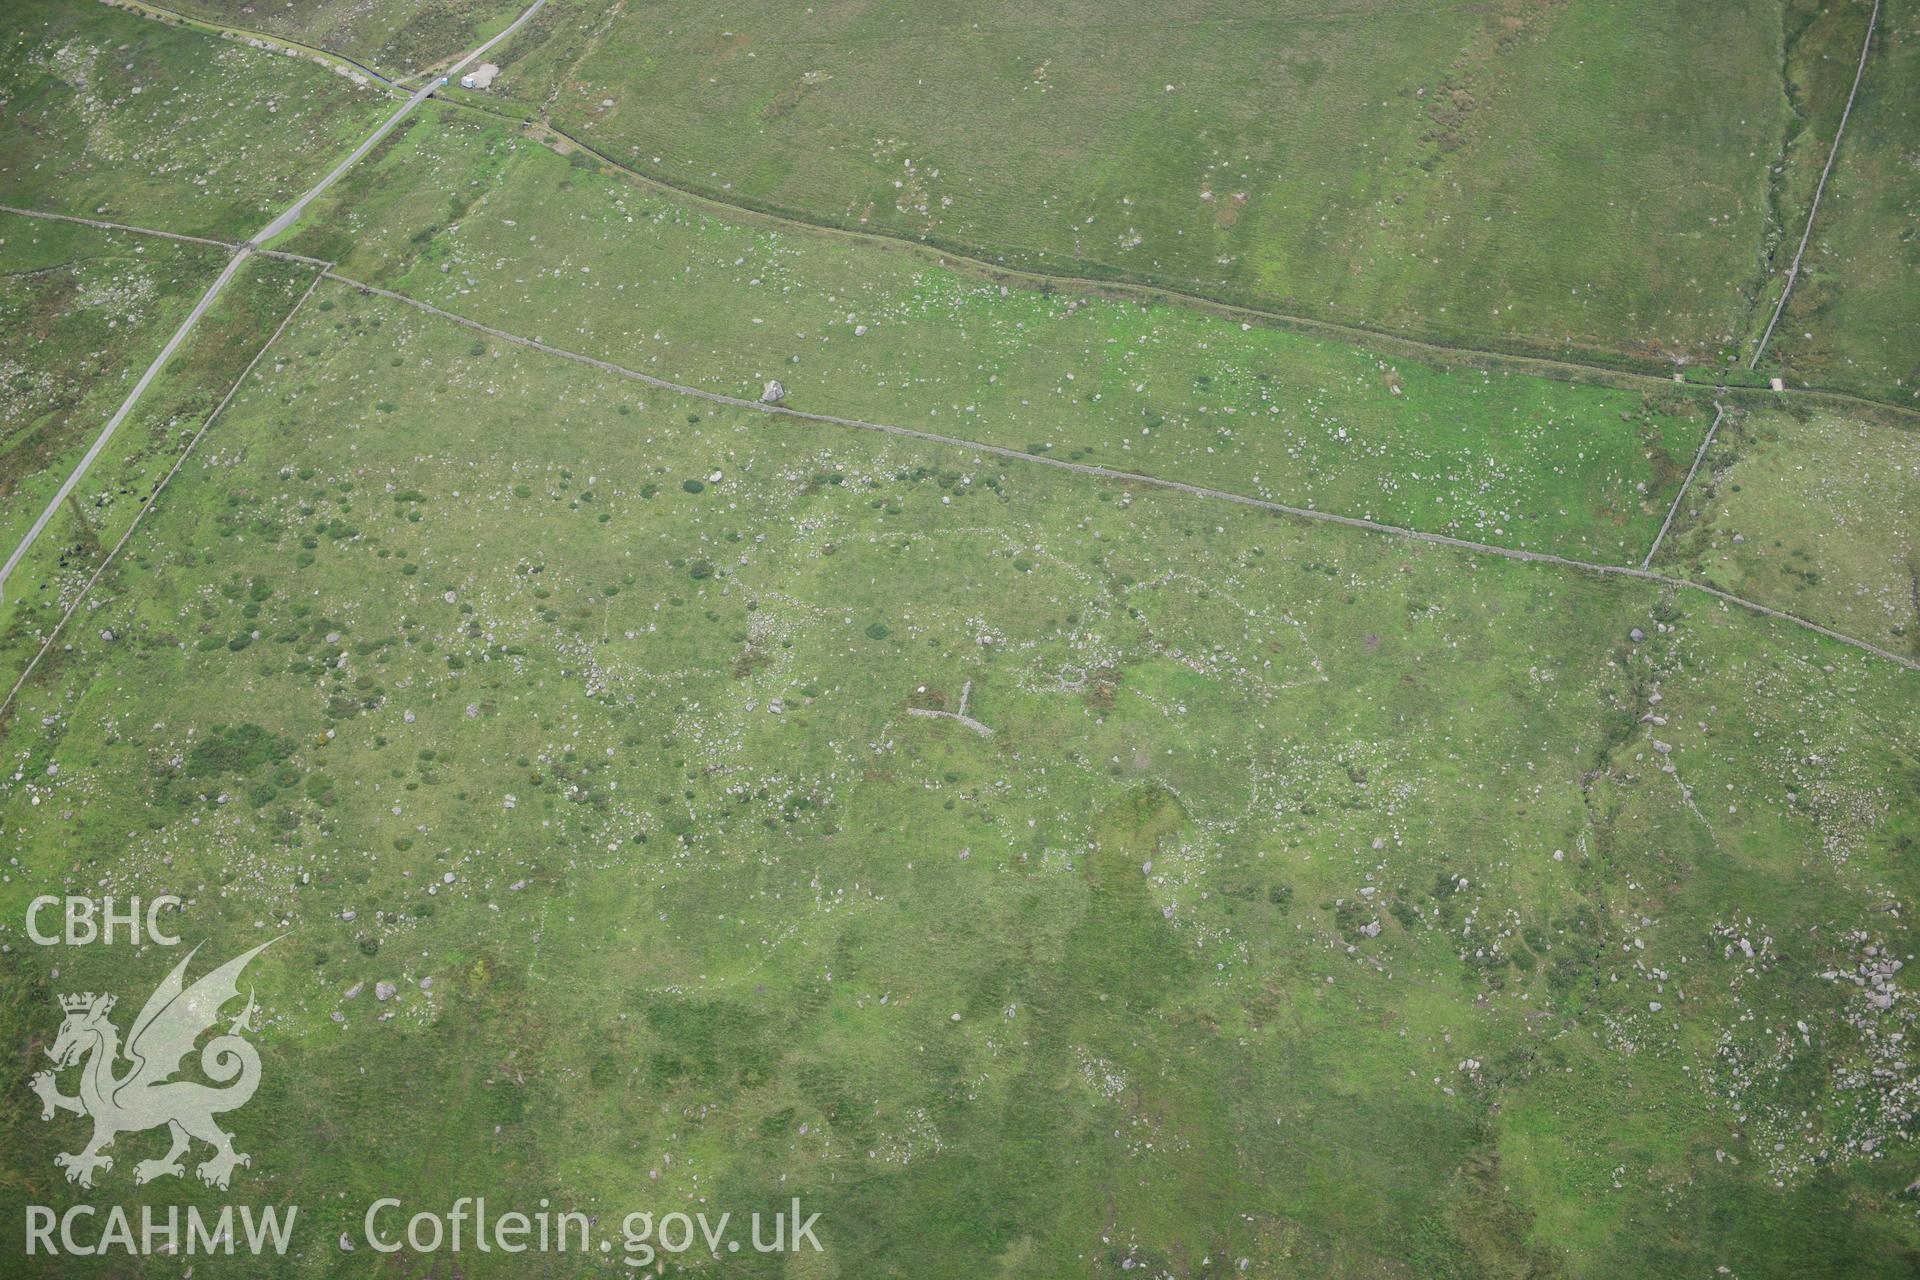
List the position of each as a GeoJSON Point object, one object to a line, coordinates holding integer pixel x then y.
{"type": "Point", "coordinates": [1128, 477]}
{"type": "Point", "coordinates": [1385, 341]}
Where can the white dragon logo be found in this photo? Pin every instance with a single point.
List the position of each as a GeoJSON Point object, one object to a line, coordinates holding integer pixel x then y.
{"type": "Point", "coordinates": [147, 1096]}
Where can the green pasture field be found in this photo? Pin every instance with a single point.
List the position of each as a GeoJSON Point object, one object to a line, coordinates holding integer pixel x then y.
{"type": "Point", "coordinates": [463, 214]}
{"type": "Point", "coordinates": [126, 119]}
{"type": "Point", "coordinates": [85, 312]}
{"type": "Point", "coordinates": [1813, 513]}
{"type": "Point", "coordinates": [1852, 319]}
{"type": "Point", "coordinates": [1319, 900]}
{"type": "Point", "coordinates": [1587, 178]}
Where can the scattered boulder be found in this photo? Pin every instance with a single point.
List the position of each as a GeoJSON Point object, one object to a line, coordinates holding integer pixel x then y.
{"type": "Point", "coordinates": [774, 392]}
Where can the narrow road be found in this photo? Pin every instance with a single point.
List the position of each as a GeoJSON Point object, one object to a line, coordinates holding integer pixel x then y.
{"type": "Point", "coordinates": [425, 91]}
{"type": "Point", "coordinates": [80, 596]}
{"type": "Point", "coordinates": [120, 414]}
{"type": "Point", "coordinates": [268, 232]}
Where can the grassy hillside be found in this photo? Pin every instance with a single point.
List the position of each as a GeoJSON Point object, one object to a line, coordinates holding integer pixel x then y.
{"type": "Point", "coordinates": [1317, 900]}
{"type": "Point", "coordinates": [661, 805]}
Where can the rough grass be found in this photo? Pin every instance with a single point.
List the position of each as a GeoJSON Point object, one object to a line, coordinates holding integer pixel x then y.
{"type": "Point", "coordinates": [1258, 944]}
{"type": "Point", "coordinates": [85, 311]}
{"type": "Point", "coordinates": [112, 116]}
